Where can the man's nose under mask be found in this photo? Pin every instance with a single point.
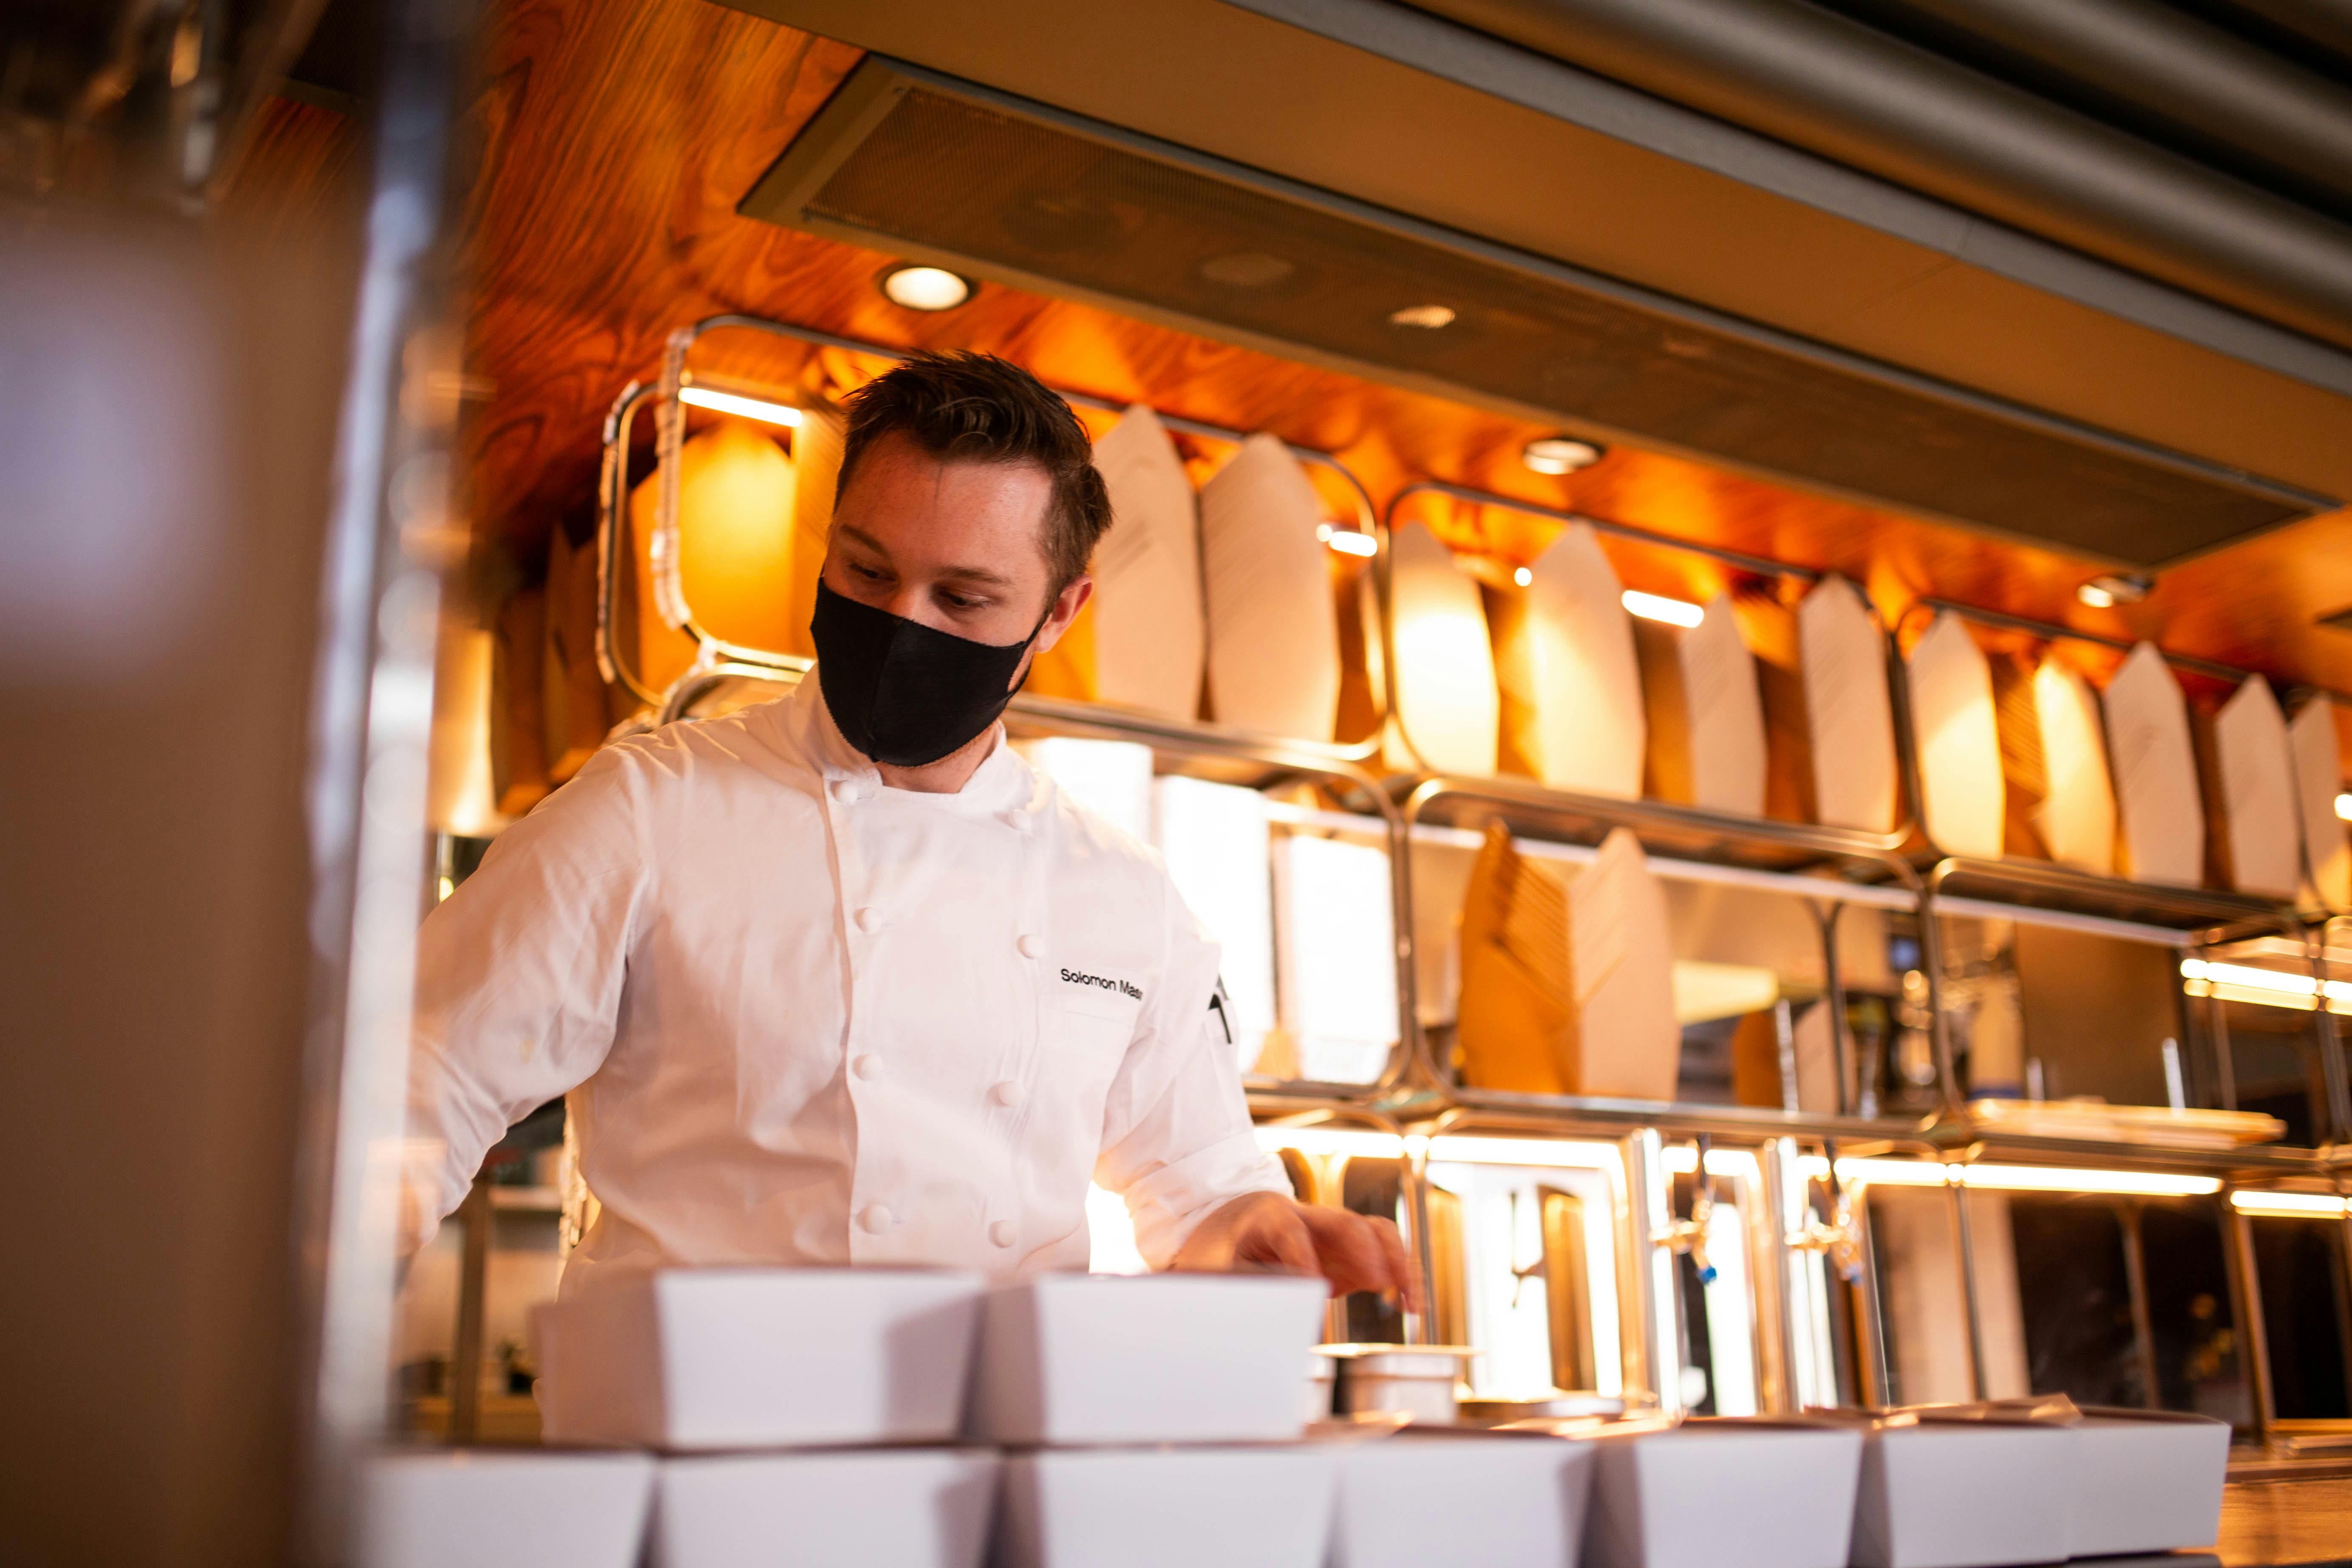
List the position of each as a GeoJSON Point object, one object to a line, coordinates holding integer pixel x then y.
{"type": "Point", "coordinates": [904, 693]}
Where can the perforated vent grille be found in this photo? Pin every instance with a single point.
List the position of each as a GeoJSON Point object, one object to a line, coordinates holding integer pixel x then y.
{"type": "Point", "coordinates": [1037, 202]}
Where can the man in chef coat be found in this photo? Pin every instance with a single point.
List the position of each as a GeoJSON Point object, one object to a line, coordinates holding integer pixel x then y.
{"type": "Point", "coordinates": [842, 979]}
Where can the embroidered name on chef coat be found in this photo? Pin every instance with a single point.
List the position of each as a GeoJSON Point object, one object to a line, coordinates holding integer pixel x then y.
{"type": "Point", "coordinates": [1102, 982]}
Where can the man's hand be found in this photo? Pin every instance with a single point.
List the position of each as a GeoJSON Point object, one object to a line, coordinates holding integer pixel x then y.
{"type": "Point", "coordinates": [1269, 1231]}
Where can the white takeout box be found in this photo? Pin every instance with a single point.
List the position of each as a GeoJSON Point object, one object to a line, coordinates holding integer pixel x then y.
{"type": "Point", "coordinates": [688, 1359]}
{"type": "Point", "coordinates": [910, 1507]}
{"type": "Point", "coordinates": [2146, 1481]}
{"type": "Point", "coordinates": [515, 1510]}
{"type": "Point", "coordinates": [1322, 1379]}
{"type": "Point", "coordinates": [1500, 1501]}
{"type": "Point", "coordinates": [1159, 1358]}
{"type": "Point", "coordinates": [1418, 1381]}
{"type": "Point", "coordinates": [1252, 1507]}
{"type": "Point", "coordinates": [1964, 1494]}
{"type": "Point", "coordinates": [1708, 1493]}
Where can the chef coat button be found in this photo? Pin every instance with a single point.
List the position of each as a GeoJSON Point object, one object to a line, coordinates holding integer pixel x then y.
{"type": "Point", "coordinates": [1032, 946]}
{"type": "Point", "coordinates": [869, 919]}
{"type": "Point", "coordinates": [1006, 1094]}
{"type": "Point", "coordinates": [868, 1066]}
{"type": "Point", "coordinates": [849, 792]}
{"type": "Point", "coordinates": [874, 1219]}
{"type": "Point", "coordinates": [1001, 1233]}
{"type": "Point", "coordinates": [1017, 820]}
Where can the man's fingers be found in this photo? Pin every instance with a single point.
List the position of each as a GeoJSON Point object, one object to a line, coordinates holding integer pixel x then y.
{"type": "Point", "coordinates": [1278, 1235]}
{"type": "Point", "coordinates": [1401, 1269]}
{"type": "Point", "coordinates": [1351, 1255]}
{"type": "Point", "coordinates": [1360, 1252]}
{"type": "Point", "coordinates": [1365, 1260]}
{"type": "Point", "coordinates": [1352, 1251]}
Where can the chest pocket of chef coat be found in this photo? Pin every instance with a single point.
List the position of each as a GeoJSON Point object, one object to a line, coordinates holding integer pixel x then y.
{"type": "Point", "coordinates": [1091, 1026]}
{"type": "Point", "coordinates": [1086, 1035]}
{"type": "Point", "coordinates": [1086, 1025]}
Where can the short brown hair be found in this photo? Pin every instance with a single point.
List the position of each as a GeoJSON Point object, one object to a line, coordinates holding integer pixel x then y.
{"type": "Point", "coordinates": [975, 407]}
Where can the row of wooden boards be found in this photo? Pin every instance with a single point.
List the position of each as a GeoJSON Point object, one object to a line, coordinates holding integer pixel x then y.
{"type": "Point", "coordinates": [1218, 602]}
{"type": "Point", "coordinates": [2024, 757]}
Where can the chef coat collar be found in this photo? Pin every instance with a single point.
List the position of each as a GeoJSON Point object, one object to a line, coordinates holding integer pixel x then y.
{"type": "Point", "coordinates": [1002, 785]}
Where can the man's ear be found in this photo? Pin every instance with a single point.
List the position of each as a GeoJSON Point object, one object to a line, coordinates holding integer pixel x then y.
{"type": "Point", "coordinates": [1065, 609]}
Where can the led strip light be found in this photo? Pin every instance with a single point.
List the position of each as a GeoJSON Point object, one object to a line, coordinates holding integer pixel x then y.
{"type": "Point", "coordinates": [2263, 987]}
{"type": "Point", "coordinates": [1683, 1158]}
{"type": "Point", "coordinates": [2288, 1205]}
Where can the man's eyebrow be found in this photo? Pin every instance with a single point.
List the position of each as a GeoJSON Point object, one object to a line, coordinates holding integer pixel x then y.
{"type": "Point", "coordinates": [981, 576]}
{"type": "Point", "coordinates": [977, 576]}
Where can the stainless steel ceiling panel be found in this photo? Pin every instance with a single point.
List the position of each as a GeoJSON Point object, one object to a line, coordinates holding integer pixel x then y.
{"type": "Point", "coordinates": [911, 162]}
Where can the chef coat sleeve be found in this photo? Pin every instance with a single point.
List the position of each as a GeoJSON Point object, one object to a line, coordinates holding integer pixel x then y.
{"type": "Point", "coordinates": [1177, 1138]}
{"type": "Point", "coordinates": [518, 978]}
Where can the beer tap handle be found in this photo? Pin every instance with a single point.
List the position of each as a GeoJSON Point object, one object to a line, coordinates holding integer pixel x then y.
{"type": "Point", "coordinates": [1690, 1235]}
{"type": "Point", "coordinates": [1839, 1240]}
{"type": "Point", "coordinates": [1521, 1273]}
{"type": "Point", "coordinates": [1702, 1211]}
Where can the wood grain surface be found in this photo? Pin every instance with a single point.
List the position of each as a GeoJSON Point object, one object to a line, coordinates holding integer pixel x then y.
{"type": "Point", "coordinates": [2270, 1523]}
{"type": "Point", "coordinates": [616, 137]}
{"type": "Point", "coordinates": [300, 173]}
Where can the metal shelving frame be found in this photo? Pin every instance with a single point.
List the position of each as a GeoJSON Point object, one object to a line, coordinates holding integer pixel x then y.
{"type": "Point", "coordinates": [2188, 919]}
{"type": "Point", "coordinates": [1759, 843]}
{"type": "Point", "coordinates": [1801, 860]}
{"type": "Point", "coordinates": [1792, 854]}
{"type": "Point", "coordinates": [1936, 884]}
{"type": "Point", "coordinates": [2192, 920]}
{"type": "Point", "coordinates": [1829, 868]}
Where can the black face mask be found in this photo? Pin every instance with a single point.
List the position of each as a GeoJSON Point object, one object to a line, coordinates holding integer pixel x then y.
{"type": "Point", "coordinates": [904, 693]}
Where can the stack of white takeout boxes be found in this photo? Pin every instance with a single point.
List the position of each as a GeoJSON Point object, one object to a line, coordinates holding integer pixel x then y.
{"type": "Point", "coordinates": [1979, 1486]}
{"type": "Point", "coordinates": [857, 1416]}
{"type": "Point", "coordinates": [719, 1418]}
{"type": "Point", "coordinates": [1154, 1420]}
{"type": "Point", "coordinates": [2016, 1481]}
{"type": "Point", "coordinates": [812, 1415]}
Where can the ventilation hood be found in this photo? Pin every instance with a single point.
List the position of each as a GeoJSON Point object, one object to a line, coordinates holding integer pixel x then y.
{"type": "Point", "coordinates": [913, 162]}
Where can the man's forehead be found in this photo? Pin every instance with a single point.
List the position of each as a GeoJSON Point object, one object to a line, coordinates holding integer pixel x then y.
{"type": "Point", "coordinates": [973, 507]}
{"type": "Point", "coordinates": [968, 572]}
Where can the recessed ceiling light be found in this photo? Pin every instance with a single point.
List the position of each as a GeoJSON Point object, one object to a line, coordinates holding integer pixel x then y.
{"type": "Point", "coordinates": [1523, 577]}
{"type": "Point", "coordinates": [2113, 588]}
{"type": "Point", "coordinates": [2344, 807]}
{"type": "Point", "coordinates": [926, 287]}
{"type": "Point", "coordinates": [1428, 316]}
{"type": "Point", "coordinates": [1560, 454]}
{"type": "Point", "coordinates": [1349, 542]}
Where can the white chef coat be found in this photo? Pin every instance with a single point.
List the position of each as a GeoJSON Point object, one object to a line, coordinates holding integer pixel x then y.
{"type": "Point", "coordinates": [804, 1018]}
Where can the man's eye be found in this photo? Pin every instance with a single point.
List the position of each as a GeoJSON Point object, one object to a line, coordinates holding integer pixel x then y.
{"type": "Point", "coordinates": [869, 572]}
{"type": "Point", "coordinates": [962, 601]}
